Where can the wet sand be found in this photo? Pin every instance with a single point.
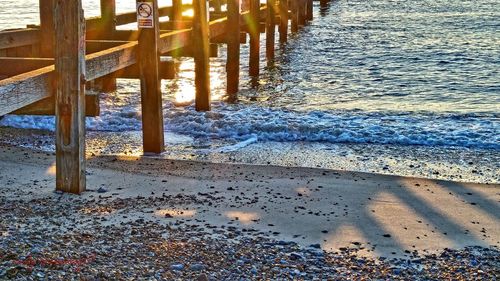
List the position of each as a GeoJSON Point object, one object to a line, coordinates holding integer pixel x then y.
{"type": "Point", "coordinates": [189, 216]}
{"type": "Point", "coordinates": [385, 215]}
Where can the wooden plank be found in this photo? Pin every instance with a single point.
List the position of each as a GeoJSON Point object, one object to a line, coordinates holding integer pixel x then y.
{"type": "Point", "coordinates": [17, 38]}
{"type": "Point", "coordinates": [270, 31]}
{"type": "Point", "coordinates": [93, 46]}
{"type": "Point", "coordinates": [175, 25]}
{"type": "Point", "coordinates": [108, 61]}
{"type": "Point", "coordinates": [173, 40]}
{"type": "Point", "coordinates": [21, 65]}
{"type": "Point", "coordinates": [200, 39]}
{"type": "Point", "coordinates": [188, 51]}
{"type": "Point", "coordinates": [151, 98]}
{"type": "Point", "coordinates": [47, 106]}
{"type": "Point", "coordinates": [233, 48]}
{"type": "Point", "coordinates": [70, 96]}
{"type": "Point", "coordinates": [254, 38]}
{"type": "Point", "coordinates": [283, 28]}
{"type": "Point", "coordinates": [167, 71]}
{"type": "Point", "coordinates": [223, 39]}
{"type": "Point", "coordinates": [24, 89]}
{"type": "Point", "coordinates": [130, 17]}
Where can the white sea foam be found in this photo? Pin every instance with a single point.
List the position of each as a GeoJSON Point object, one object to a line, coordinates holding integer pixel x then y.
{"type": "Point", "coordinates": [248, 124]}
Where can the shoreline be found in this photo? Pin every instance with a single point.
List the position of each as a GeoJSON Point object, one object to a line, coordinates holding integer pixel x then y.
{"type": "Point", "coordinates": [303, 216]}
{"type": "Point", "coordinates": [434, 163]}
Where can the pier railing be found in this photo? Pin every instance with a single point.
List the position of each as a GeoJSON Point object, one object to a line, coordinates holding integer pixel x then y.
{"type": "Point", "coordinates": [45, 69]}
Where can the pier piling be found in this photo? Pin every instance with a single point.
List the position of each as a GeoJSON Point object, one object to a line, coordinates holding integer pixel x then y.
{"type": "Point", "coordinates": [151, 97]}
{"type": "Point", "coordinates": [47, 66]}
{"type": "Point", "coordinates": [200, 39]}
{"type": "Point", "coordinates": [70, 96]}
{"type": "Point", "coordinates": [233, 47]}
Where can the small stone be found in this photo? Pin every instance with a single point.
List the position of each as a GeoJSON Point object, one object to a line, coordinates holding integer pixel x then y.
{"type": "Point", "coordinates": [197, 267]}
{"type": "Point", "coordinates": [102, 190]}
{"type": "Point", "coordinates": [177, 266]}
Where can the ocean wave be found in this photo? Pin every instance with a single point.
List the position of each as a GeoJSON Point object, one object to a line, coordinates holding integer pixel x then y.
{"type": "Point", "coordinates": [244, 122]}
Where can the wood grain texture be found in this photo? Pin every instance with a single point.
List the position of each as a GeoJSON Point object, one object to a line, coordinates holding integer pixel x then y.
{"type": "Point", "coordinates": [253, 24]}
{"type": "Point", "coordinates": [70, 96]}
{"type": "Point", "coordinates": [200, 41]}
{"type": "Point", "coordinates": [283, 28]}
{"type": "Point", "coordinates": [270, 31]}
{"type": "Point", "coordinates": [151, 98]}
{"type": "Point", "coordinates": [233, 38]}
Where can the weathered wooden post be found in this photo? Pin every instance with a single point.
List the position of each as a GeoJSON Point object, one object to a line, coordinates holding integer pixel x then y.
{"type": "Point", "coordinates": [295, 15]}
{"type": "Point", "coordinates": [108, 27]}
{"type": "Point", "coordinates": [176, 15]}
{"type": "Point", "coordinates": [283, 21]}
{"type": "Point", "coordinates": [47, 28]}
{"type": "Point", "coordinates": [233, 47]}
{"type": "Point", "coordinates": [310, 10]}
{"type": "Point", "coordinates": [108, 16]}
{"type": "Point", "coordinates": [200, 43]}
{"type": "Point", "coordinates": [323, 3]}
{"type": "Point", "coordinates": [301, 8]}
{"type": "Point", "coordinates": [70, 95]}
{"type": "Point", "coordinates": [254, 28]}
{"type": "Point", "coordinates": [149, 59]}
{"type": "Point", "coordinates": [270, 31]}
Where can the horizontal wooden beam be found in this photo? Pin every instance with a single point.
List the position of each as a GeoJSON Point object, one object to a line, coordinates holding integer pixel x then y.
{"type": "Point", "coordinates": [47, 106]}
{"type": "Point", "coordinates": [167, 71]}
{"type": "Point", "coordinates": [175, 25]}
{"type": "Point", "coordinates": [18, 38]}
{"type": "Point", "coordinates": [24, 89]}
{"type": "Point", "coordinates": [93, 46]}
{"type": "Point", "coordinates": [187, 51]}
{"type": "Point", "coordinates": [174, 40]}
{"type": "Point", "coordinates": [12, 66]}
{"type": "Point", "coordinates": [223, 40]}
{"type": "Point", "coordinates": [108, 61]}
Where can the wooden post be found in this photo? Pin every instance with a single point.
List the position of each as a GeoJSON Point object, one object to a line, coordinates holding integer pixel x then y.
{"type": "Point", "coordinates": [151, 102]}
{"type": "Point", "coordinates": [108, 15]}
{"type": "Point", "coordinates": [310, 10]}
{"type": "Point", "coordinates": [270, 31]}
{"type": "Point", "coordinates": [176, 16]}
{"type": "Point", "coordinates": [323, 3]}
{"type": "Point", "coordinates": [47, 28]}
{"type": "Point", "coordinates": [200, 41]}
{"type": "Point", "coordinates": [233, 47]}
{"type": "Point", "coordinates": [217, 6]}
{"type": "Point", "coordinates": [295, 19]}
{"type": "Point", "coordinates": [301, 12]}
{"type": "Point", "coordinates": [245, 5]}
{"type": "Point", "coordinates": [283, 21]}
{"type": "Point", "coordinates": [70, 96]}
{"type": "Point", "coordinates": [254, 37]}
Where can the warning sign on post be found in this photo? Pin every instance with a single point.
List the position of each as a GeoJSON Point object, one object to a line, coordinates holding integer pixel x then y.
{"type": "Point", "coordinates": [145, 15]}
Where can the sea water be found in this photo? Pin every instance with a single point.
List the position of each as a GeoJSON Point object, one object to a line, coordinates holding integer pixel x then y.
{"type": "Point", "coordinates": [417, 77]}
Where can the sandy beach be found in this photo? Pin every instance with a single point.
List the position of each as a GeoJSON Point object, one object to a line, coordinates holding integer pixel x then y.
{"type": "Point", "coordinates": [379, 219]}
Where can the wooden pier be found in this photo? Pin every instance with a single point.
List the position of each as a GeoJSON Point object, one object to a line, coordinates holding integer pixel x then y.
{"type": "Point", "coordinates": [46, 68]}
